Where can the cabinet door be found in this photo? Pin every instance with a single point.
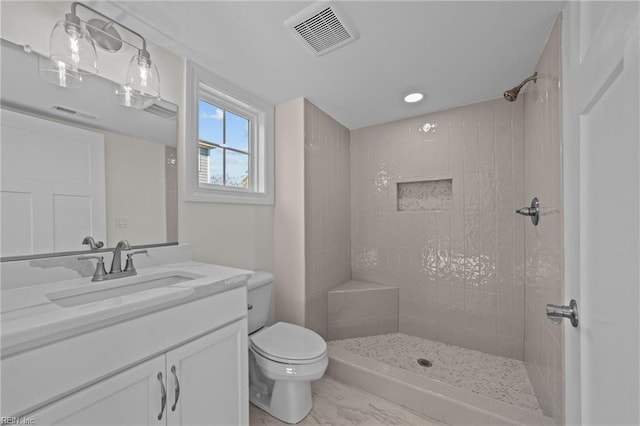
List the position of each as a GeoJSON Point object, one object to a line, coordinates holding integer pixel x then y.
{"type": "Point", "coordinates": [211, 375]}
{"type": "Point", "coordinates": [132, 397]}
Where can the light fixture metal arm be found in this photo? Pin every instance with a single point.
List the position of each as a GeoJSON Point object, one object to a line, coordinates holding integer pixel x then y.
{"type": "Point", "coordinates": [75, 5]}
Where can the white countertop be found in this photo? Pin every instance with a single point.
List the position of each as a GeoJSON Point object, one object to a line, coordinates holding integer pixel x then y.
{"type": "Point", "coordinates": [30, 319]}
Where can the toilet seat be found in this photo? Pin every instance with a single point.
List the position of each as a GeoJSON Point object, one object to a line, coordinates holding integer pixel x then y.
{"type": "Point", "coordinates": [280, 360]}
{"type": "Point", "coordinates": [289, 344]}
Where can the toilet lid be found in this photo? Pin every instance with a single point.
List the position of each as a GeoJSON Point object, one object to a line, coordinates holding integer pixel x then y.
{"type": "Point", "coordinates": [289, 341]}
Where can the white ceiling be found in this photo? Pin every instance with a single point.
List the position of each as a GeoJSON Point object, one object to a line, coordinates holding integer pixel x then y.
{"type": "Point", "coordinates": [456, 53]}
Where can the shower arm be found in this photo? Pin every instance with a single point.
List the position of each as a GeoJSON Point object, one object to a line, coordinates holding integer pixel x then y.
{"type": "Point", "coordinates": [512, 94]}
{"type": "Point", "coordinates": [534, 77]}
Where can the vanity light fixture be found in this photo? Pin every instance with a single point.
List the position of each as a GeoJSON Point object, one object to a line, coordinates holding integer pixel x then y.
{"type": "Point", "coordinates": [72, 54]}
{"type": "Point", "coordinates": [413, 97]}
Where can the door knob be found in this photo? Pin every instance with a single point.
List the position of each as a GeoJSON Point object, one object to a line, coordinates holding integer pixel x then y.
{"type": "Point", "coordinates": [557, 312]}
{"type": "Point", "coordinates": [533, 210]}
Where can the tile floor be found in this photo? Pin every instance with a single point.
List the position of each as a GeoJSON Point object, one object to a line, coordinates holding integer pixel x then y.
{"type": "Point", "coordinates": [504, 379]}
{"type": "Point", "coordinates": [337, 404]}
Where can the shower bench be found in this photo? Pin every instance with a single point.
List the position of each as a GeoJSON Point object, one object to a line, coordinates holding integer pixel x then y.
{"type": "Point", "coordinates": [358, 308]}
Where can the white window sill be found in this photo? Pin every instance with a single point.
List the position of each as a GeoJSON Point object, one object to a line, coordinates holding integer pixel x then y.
{"type": "Point", "coordinates": [228, 196]}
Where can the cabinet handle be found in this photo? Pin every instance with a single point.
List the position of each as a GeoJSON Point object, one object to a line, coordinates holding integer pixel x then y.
{"type": "Point", "coordinates": [164, 396]}
{"type": "Point", "coordinates": [175, 375]}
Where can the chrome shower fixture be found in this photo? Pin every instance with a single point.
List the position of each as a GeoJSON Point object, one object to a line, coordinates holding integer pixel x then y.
{"type": "Point", "coordinates": [533, 211]}
{"type": "Point", "coordinates": [512, 94]}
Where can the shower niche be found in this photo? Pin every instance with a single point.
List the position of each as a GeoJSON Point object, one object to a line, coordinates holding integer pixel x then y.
{"type": "Point", "coordinates": [430, 194]}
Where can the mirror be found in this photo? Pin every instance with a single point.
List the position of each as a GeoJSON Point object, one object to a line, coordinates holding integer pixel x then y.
{"type": "Point", "coordinates": [75, 163]}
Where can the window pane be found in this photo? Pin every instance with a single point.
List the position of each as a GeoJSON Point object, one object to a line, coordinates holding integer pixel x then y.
{"type": "Point", "coordinates": [237, 169]}
{"type": "Point", "coordinates": [210, 122]}
{"type": "Point", "coordinates": [215, 166]}
{"type": "Point", "coordinates": [237, 131]}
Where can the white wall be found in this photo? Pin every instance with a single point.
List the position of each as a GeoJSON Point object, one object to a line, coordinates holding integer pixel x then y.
{"type": "Point", "coordinates": [228, 234]}
{"type": "Point", "coordinates": [135, 180]}
{"type": "Point", "coordinates": [235, 235]}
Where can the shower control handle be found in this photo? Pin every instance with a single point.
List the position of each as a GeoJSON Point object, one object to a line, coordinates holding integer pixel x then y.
{"type": "Point", "coordinates": [533, 211]}
{"type": "Point", "coordinates": [527, 211]}
{"type": "Point", "coordinates": [557, 312]}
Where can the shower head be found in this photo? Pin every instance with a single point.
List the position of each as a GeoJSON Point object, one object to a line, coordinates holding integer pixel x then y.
{"type": "Point", "coordinates": [512, 94]}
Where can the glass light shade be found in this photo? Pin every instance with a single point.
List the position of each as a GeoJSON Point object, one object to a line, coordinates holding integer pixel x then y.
{"type": "Point", "coordinates": [71, 45]}
{"type": "Point", "coordinates": [128, 97]}
{"type": "Point", "coordinates": [58, 73]}
{"type": "Point", "coordinates": [142, 85]}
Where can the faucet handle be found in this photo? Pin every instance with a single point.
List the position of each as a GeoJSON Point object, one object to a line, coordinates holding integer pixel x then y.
{"type": "Point", "coordinates": [100, 273]}
{"type": "Point", "coordinates": [128, 267]}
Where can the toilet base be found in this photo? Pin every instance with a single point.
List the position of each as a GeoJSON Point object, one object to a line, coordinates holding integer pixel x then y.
{"type": "Point", "coordinates": [287, 400]}
{"type": "Point", "coordinates": [283, 389]}
{"type": "Point", "coordinates": [291, 401]}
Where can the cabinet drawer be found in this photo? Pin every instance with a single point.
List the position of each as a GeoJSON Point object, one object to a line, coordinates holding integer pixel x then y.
{"type": "Point", "coordinates": [42, 375]}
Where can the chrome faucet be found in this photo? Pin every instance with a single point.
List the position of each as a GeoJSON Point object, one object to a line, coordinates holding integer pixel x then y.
{"type": "Point", "coordinates": [116, 264]}
{"type": "Point", "coordinates": [93, 244]}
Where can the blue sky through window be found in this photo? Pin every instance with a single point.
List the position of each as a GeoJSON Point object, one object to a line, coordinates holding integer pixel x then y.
{"type": "Point", "coordinates": [211, 129]}
{"type": "Point", "coordinates": [210, 123]}
{"type": "Point", "coordinates": [237, 131]}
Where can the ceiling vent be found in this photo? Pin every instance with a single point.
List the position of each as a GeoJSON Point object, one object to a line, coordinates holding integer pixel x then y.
{"type": "Point", "coordinates": [322, 27]}
{"type": "Point", "coordinates": [164, 109]}
{"type": "Point", "coordinates": [79, 114]}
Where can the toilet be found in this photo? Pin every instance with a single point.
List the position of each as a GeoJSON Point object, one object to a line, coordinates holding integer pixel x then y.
{"type": "Point", "coordinates": [283, 358]}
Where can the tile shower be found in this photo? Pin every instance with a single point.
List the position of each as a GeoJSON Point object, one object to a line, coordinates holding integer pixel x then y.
{"type": "Point", "coordinates": [449, 238]}
{"type": "Point", "coordinates": [440, 266]}
{"type": "Point", "coordinates": [432, 214]}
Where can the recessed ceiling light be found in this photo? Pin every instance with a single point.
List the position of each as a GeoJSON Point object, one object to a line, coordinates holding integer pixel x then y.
{"type": "Point", "coordinates": [413, 97]}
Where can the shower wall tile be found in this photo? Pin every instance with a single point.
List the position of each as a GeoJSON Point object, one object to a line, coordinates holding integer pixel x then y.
{"type": "Point", "coordinates": [543, 250]}
{"type": "Point", "coordinates": [455, 265]}
{"type": "Point", "coordinates": [327, 212]}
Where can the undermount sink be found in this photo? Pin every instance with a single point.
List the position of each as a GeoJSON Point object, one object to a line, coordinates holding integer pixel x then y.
{"type": "Point", "coordinates": [96, 292]}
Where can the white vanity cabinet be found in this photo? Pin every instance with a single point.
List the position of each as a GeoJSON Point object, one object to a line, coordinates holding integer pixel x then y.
{"type": "Point", "coordinates": [194, 353]}
{"type": "Point", "coordinates": [199, 383]}
{"type": "Point", "coordinates": [128, 398]}
{"type": "Point", "coordinates": [207, 381]}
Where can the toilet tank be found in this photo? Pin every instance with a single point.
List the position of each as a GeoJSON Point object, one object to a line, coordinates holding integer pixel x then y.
{"type": "Point", "coordinates": [259, 299]}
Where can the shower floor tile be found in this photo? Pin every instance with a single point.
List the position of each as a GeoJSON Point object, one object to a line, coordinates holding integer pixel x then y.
{"type": "Point", "coordinates": [493, 376]}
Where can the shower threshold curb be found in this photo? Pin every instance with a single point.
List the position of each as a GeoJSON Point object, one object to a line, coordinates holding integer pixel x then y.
{"type": "Point", "coordinates": [432, 398]}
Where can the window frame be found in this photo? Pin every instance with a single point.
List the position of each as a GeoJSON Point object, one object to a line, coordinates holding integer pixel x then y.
{"type": "Point", "coordinates": [205, 85]}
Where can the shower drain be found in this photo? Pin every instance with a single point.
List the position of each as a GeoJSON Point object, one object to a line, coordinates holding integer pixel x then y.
{"type": "Point", "coordinates": [425, 362]}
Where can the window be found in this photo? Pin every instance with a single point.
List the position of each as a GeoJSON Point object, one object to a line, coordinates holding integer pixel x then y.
{"type": "Point", "coordinates": [223, 142]}
{"type": "Point", "coordinates": [229, 142]}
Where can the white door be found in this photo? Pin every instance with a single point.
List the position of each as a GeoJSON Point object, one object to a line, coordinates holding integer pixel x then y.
{"type": "Point", "coordinates": [207, 378]}
{"type": "Point", "coordinates": [52, 187]}
{"type": "Point", "coordinates": [602, 211]}
{"type": "Point", "coordinates": [133, 397]}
